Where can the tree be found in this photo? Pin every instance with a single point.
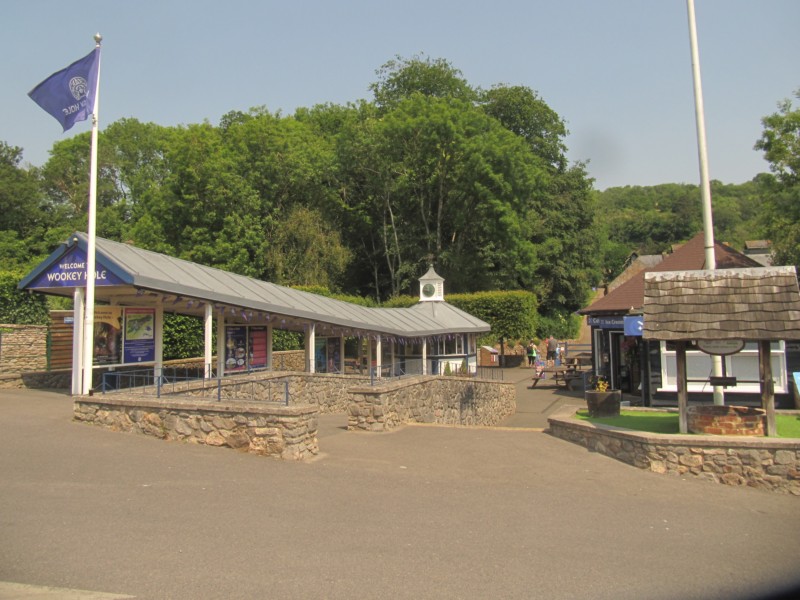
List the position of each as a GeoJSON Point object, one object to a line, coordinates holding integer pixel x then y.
{"type": "Point", "coordinates": [780, 142]}
{"type": "Point", "coordinates": [459, 195]}
{"type": "Point", "coordinates": [522, 112]}
{"type": "Point", "coordinates": [401, 78]}
{"type": "Point", "coordinates": [306, 250]}
{"type": "Point", "coordinates": [22, 210]}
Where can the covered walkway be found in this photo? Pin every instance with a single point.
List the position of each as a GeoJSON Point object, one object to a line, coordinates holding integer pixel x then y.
{"type": "Point", "coordinates": [135, 287]}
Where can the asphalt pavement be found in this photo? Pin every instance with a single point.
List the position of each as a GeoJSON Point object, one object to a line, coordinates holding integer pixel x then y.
{"type": "Point", "coordinates": [421, 512]}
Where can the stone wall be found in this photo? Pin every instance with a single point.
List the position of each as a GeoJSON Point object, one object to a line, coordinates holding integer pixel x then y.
{"type": "Point", "coordinates": [771, 464]}
{"type": "Point", "coordinates": [326, 392]}
{"type": "Point", "coordinates": [443, 400]}
{"type": "Point", "coordinates": [287, 432]}
{"type": "Point", "coordinates": [23, 348]}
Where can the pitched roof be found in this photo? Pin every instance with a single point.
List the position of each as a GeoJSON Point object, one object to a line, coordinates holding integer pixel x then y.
{"type": "Point", "coordinates": [741, 304]}
{"type": "Point", "coordinates": [146, 278]}
{"type": "Point", "coordinates": [629, 297]}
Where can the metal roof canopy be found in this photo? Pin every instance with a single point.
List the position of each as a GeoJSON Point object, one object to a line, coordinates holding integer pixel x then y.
{"type": "Point", "coordinates": [759, 304]}
{"type": "Point", "coordinates": [140, 277]}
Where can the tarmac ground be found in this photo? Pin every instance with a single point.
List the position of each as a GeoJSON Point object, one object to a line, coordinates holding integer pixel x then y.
{"type": "Point", "coordinates": [422, 512]}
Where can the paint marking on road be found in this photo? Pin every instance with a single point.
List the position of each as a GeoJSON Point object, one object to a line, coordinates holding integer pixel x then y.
{"type": "Point", "coordinates": [24, 591]}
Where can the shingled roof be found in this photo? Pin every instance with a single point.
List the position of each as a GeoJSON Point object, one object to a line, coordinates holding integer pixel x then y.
{"type": "Point", "coordinates": [629, 297]}
{"type": "Point", "coordinates": [743, 304]}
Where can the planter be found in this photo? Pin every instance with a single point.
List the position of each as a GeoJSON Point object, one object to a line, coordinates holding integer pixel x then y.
{"type": "Point", "coordinates": [603, 404]}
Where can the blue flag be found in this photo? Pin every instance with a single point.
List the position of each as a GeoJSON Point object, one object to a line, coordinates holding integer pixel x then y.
{"type": "Point", "coordinates": [69, 94]}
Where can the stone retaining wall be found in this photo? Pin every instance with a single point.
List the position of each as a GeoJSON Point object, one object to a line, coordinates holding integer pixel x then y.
{"type": "Point", "coordinates": [771, 464]}
{"type": "Point", "coordinates": [443, 400]}
{"type": "Point", "coordinates": [23, 348]}
{"type": "Point", "coordinates": [287, 432]}
{"type": "Point", "coordinates": [327, 393]}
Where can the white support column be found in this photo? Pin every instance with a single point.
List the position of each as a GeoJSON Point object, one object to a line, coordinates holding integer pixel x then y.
{"type": "Point", "coordinates": [77, 341]}
{"type": "Point", "coordinates": [392, 358]}
{"type": "Point", "coordinates": [221, 344]}
{"type": "Point", "coordinates": [369, 356]}
{"type": "Point", "coordinates": [208, 340]}
{"type": "Point", "coordinates": [159, 339]}
{"type": "Point", "coordinates": [424, 356]}
{"type": "Point", "coordinates": [269, 347]}
{"type": "Point", "coordinates": [378, 357]}
{"type": "Point", "coordinates": [311, 340]}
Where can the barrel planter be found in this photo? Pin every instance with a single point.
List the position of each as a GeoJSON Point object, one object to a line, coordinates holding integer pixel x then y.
{"type": "Point", "coordinates": [603, 404]}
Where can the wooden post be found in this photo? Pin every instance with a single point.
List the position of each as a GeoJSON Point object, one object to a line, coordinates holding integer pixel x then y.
{"type": "Point", "coordinates": [767, 385]}
{"type": "Point", "coordinates": [683, 387]}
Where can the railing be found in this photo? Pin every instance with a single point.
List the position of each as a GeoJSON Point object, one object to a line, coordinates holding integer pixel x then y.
{"type": "Point", "coordinates": [413, 367]}
{"type": "Point", "coordinates": [191, 382]}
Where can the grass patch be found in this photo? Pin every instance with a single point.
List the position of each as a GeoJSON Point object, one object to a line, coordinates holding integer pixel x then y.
{"type": "Point", "coordinates": [666, 422]}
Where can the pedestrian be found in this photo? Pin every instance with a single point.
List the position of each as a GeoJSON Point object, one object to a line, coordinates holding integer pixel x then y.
{"type": "Point", "coordinates": [532, 353]}
{"type": "Point", "coordinates": [552, 346]}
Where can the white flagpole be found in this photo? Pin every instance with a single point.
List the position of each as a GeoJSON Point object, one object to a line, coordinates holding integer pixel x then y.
{"type": "Point", "coordinates": [705, 181]}
{"type": "Point", "coordinates": [88, 319]}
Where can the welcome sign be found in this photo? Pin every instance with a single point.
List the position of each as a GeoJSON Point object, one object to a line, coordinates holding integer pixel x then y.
{"type": "Point", "coordinates": [70, 271]}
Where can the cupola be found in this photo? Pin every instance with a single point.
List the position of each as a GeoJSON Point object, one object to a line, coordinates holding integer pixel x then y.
{"type": "Point", "coordinates": [431, 287]}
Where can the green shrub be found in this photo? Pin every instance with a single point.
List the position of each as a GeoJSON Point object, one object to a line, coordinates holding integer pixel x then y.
{"type": "Point", "coordinates": [20, 308]}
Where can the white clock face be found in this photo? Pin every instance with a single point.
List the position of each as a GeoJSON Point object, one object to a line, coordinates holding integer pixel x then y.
{"type": "Point", "coordinates": [428, 290]}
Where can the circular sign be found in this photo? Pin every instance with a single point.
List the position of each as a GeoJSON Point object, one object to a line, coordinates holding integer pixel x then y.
{"type": "Point", "coordinates": [720, 347]}
{"type": "Point", "coordinates": [428, 290]}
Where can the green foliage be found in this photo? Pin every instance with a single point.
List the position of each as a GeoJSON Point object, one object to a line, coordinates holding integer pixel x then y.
{"type": "Point", "coordinates": [780, 142]}
{"type": "Point", "coordinates": [20, 308]}
{"type": "Point", "coordinates": [183, 336]}
{"type": "Point", "coordinates": [512, 315]}
{"type": "Point", "coordinates": [401, 78]}
{"type": "Point", "coordinates": [287, 340]}
{"type": "Point", "coordinates": [560, 325]}
{"type": "Point", "coordinates": [636, 220]}
{"type": "Point", "coordinates": [360, 198]}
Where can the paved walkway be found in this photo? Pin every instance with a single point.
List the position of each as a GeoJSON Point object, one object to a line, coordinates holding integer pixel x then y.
{"type": "Point", "coordinates": [422, 512]}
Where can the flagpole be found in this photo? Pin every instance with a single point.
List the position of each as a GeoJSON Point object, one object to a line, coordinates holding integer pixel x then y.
{"type": "Point", "coordinates": [705, 181]}
{"type": "Point", "coordinates": [88, 327]}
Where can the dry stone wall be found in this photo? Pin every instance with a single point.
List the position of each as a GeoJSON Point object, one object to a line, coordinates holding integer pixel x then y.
{"type": "Point", "coordinates": [23, 348]}
{"type": "Point", "coordinates": [771, 464]}
{"type": "Point", "coordinates": [442, 400]}
{"type": "Point", "coordinates": [286, 432]}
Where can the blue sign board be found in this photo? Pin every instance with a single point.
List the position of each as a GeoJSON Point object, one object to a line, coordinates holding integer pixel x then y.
{"type": "Point", "coordinates": [634, 325]}
{"type": "Point", "coordinates": [606, 322]}
{"type": "Point", "coordinates": [70, 271]}
{"type": "Point", "coordinates": [140, 345]}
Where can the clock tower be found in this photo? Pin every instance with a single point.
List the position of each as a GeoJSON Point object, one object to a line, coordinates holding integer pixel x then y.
{"type": "Point", "coordinates": [431, 287]}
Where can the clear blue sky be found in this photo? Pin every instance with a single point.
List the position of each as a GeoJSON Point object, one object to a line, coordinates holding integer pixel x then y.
{"type": "Point", "coordinates": [618, 71]}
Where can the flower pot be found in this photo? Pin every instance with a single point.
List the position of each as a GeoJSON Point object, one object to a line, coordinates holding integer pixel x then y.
{"type": "Point", "coordinates": [603, 404]}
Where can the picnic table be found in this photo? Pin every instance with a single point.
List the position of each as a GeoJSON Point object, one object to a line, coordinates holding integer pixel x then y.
{"type": "Point", "coordinates": [564, 375]}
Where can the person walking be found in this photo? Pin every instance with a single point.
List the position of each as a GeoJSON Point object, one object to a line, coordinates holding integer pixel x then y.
{"type": "Point", "coordinates": [552, 346]}
{"type": "Point", "coordinates": [532, 354]}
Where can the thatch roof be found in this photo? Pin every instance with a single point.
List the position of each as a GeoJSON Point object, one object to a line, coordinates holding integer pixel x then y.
{"type": "Point", "coordinates": [745, 304]}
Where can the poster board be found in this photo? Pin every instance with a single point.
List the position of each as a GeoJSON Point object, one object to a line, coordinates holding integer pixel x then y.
{"type": "Point", "coordinates": [140, 340]}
